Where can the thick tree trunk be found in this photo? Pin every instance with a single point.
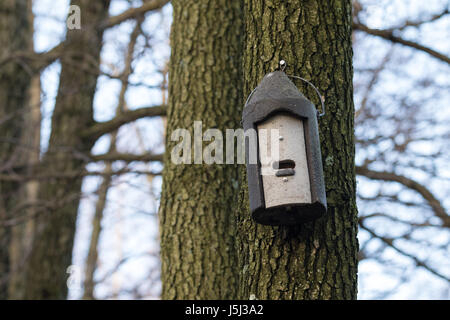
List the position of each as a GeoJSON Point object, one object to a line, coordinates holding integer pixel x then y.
{"type": "Point", "coordinates": [52, 247]}
{"type": "Point", "coordinates": [196, 214]}
{"type": "Point", "coordinates": [16, 34]}
{"type": "Point", "coordinates": [317, 260]}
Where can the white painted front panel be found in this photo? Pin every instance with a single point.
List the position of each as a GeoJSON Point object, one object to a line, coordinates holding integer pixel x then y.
{"type": "Point", "coordinates": [291, 146]}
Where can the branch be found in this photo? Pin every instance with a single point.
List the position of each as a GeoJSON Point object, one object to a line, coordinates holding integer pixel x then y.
{"type": "Point", "coordinates": [119, 264]}
{"type": "Point", "coordinates": [133, 13]}
{"type": "Point", "coordinates": [395, 219]}
{"type": "Point", "coordinates": [74, 175]}
{"type": "Point", "coordinates": [390, 242]}
{"type": "Point", "coordinates": [36, 61]}
{"type": "Point", "coordinates": [40, 61]}
{"type": "Point", "coordinates": [375, 75]}
{"type": "Point", "coordinates": [45, 59]}
{"type": "Point", "coordinates": [116, 156]}
{"type": "Point", "coordinates": [411, 184]}
{"type": "Point", "coordinates": [389, 35]}
{"type": "Point", "coordinates": [101, 128]}
{"type": "Point", "coordinates": [417, 23]}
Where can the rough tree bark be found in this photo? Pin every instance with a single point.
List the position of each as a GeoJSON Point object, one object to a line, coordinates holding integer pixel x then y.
{"type": "Point", "coordinates": [317, 260]}
{"type": "Point", "coordinates": [52, 247]}
{"type": "Point", "coordinates": [196, 212]}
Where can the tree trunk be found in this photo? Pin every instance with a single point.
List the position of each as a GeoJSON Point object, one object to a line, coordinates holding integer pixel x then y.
{"type": "Point", "coordinates": [92, 257]}
{"type": "Point", "coordinates": [16, 34]}
{"type": "Point", "coordinates": [22, 233]}
{"type": "Point", "coordinates": [52, 248]}
{"type": "Point", "coordinates": [316, 260]}
{"type": "Point", "coordinates": [197, 203]}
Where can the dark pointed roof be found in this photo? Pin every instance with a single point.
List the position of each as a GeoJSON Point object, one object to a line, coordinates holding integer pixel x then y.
{"type": "Point", "coordinates": [275, 86]}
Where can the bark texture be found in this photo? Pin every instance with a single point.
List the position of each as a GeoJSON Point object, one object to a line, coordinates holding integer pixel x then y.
{"type": "Point", "coordinates": [15, 80]}
{"type": "Point", "coordinates": [316, 260]}
{"type": "Point", "coordinates": [197, 203]}
{"type": "Point", "coordinates": [52, 248]}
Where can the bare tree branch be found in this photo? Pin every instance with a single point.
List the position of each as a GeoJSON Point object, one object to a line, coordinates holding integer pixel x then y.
{"type": "Point", "coordinates": [373, 80]}
{"type": "Point", "coordinates": [395, 219]}
{"type": "Point", "coordinates": [134, 12]}
{"type": "Point", "coordinates": [92, 256]}
{"type": "Point", "coordinates": [36, 61]}
{"type": "Point", "coordinates": [101, 128]}
{"type": "Point", "coordinates": [389, 35]}
{"type": "Point", "coordinates": [46, 58]}
{"type": "Point", "coordinates": [116, 156]}
{"type": "Point", "coordinates": [121, 263]}
{"type": "Point", "coordinates": [435, 204]}
{"type": "Point", "coordinates": [39, 61]}
{"type": "Point", "coordinates": [410, 23]}
{"type": "Point", "coordinates": [72, 174]}
{"type": "Point", "coordinates": [390, 242]}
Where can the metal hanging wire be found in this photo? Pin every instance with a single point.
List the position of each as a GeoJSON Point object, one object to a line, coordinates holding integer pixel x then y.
{"type": "Point", "coordinates": [282, 64]}
{"type": "Point", "coordinates": [322, 102]}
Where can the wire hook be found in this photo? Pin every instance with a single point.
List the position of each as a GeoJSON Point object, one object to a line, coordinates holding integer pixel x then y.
{"type": "Point", "coordinates": [282, 65]}
{"type": "Point", "coordinates": [322, 99]}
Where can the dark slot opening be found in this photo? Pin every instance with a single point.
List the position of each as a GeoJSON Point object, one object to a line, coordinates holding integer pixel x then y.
{"type": "Point", "coordinates": [284, 164]}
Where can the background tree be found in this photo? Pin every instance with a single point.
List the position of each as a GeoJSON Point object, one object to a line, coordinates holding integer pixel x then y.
{"type": "Point", "coordinates": [197, 219]}
{"type": "Point", "coordinates": [15, 109]}
{"type": "Point", "coordinates": [73, 134]}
